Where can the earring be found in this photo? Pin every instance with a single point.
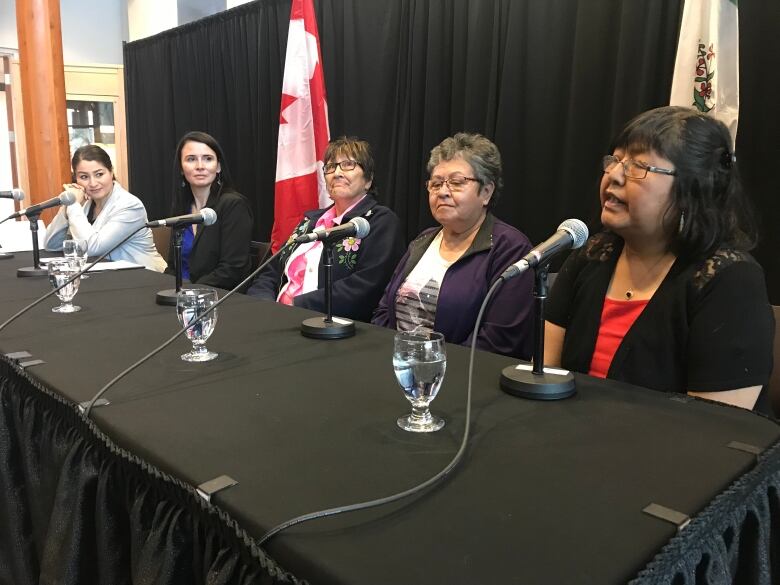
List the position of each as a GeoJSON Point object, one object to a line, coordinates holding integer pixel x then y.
{"type": "Point", "coordinates": [682, 222]}
{"type": "Point", "coordinates": [183, 182]}
{"type": "Point", "coordinates": [219, 179]}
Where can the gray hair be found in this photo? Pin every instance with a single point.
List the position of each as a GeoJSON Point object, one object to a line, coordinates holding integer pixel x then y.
{"type": "Point", "coordinates": [479, 152]}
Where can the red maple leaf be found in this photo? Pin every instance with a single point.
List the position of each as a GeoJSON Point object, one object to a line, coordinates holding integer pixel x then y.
{"type": "Point", "coordinates": [287, 100]}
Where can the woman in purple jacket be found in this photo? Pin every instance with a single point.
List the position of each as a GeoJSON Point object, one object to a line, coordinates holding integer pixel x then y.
{"type": "Point", "coordinates": [446, 272]}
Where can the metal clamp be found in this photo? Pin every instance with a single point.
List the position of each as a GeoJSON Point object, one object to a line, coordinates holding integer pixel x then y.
{"type": "Point", "coordinates": [211, 487]}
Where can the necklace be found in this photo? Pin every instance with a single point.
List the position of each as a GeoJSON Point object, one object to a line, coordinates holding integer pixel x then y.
{"type": "Point", "coordinates": [629, 294]}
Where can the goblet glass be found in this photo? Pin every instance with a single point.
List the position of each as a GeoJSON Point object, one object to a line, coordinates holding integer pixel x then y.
{"type": "Point", "coordinates": [419, 361]}
{"type": "Point", "coordinates": [60, 270]}
{"type": "Point", "coordinates": [191, 303]}
{"type": "Point", "coordinates": [76, 248]}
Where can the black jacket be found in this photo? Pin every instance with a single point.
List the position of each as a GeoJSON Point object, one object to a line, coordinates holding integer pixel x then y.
{"type": "Point", "coordinates": [220, 252]}
{"type": "Point", "coordinates": [359, 277]}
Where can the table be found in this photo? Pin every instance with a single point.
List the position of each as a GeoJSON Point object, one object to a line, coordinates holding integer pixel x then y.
{"type": "Point", "coordinates": [547, 492]}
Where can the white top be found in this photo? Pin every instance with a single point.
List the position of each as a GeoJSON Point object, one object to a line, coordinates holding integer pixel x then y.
{"type": "Point", "coordinates": [418, 295]}
{"type": "Point", "coordinates": [122, 213]}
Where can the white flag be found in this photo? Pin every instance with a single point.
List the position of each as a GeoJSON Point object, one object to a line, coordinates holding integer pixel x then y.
{"type": "Point", "coordinates": [706, 71]}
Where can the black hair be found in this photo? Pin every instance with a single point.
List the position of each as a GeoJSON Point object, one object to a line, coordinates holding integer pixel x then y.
{"type": "Point", "coordinates": [708, 207]}
{"type": "Point", "coordinates": [91, 152]}
{"type": "Point", "coordinates": [182, 193]}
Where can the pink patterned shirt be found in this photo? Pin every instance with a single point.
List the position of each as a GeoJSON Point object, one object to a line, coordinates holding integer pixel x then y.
{"type": "Point", "coordinates": [302, 267]}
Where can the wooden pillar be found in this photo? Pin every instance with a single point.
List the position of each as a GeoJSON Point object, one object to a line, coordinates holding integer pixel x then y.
{"type": "Point", "coordinates": [43, 98]}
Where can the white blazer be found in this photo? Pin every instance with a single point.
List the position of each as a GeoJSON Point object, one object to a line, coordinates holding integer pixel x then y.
{"type": "Point", "coordinates": [123, 213]}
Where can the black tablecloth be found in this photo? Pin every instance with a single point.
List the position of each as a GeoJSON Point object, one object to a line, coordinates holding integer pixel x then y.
{"type": "Point", "coordinates": [547, 492]}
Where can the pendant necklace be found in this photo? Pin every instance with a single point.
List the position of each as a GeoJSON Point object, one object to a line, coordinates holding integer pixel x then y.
{"type": "Point", "coordinates": [629, 294]}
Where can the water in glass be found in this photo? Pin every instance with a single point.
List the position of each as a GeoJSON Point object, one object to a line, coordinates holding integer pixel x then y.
{"type": "Point", "coordinates": [190, 305]}
{"type": "Point", "coordinates": [420, 361]}
{"type": "Point", "coordinates": [76, 248]}
{"type": "Point", "coordinates": [60, 270]}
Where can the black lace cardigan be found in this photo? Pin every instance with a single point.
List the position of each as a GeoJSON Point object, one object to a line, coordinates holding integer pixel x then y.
{"type": "Point", "coordinates": [709, 326]}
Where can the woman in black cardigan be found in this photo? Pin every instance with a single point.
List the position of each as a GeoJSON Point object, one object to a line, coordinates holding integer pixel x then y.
{"type": "Point", "coordinates": [667, 297]}
{"type": "Point", "coordinates": [215, 255]}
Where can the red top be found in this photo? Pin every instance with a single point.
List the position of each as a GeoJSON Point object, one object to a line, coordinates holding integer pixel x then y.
{"type": "Point", "coordinates": [617, 317]}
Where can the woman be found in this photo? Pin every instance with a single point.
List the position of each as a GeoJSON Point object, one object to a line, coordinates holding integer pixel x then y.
{"type": "Point", "coordinates": [361, 267]}
{"type": "Point", "coordinates": [215, 255]}
{"type": "Point", "coordinates": [103, 214]}
{"type": "Point", "coordinates": [667, 297]}
{"type": "Point", "coordinates": [442, 280]}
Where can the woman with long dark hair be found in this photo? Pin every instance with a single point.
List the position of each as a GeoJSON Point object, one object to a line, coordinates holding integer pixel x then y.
{"type": "Point", "coordinates": [667, 296]}
{"type": "Point", "coordinates": [215, 255]}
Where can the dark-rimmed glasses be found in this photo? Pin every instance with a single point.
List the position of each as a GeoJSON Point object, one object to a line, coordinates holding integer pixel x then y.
{"type": "Point", "coordinates": [633, 169]}
{"type": "Point", "coordinates": [454, 184]}
{"type": "Point", "coordinates": [345, 165]}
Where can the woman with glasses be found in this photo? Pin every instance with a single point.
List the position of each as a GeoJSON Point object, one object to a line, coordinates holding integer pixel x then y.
{"type": "Point", "coordinates": [215, 255]}
{"type": "Point", "coordinates": [361, 266]}
{"type": "Point", "coordinates": [442, 280]}
{"type": "Point", "coordinates": [667, 297]}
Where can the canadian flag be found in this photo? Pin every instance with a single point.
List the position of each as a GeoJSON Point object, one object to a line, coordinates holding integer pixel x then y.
{"type": "Point", "coordinates": [303, 126]}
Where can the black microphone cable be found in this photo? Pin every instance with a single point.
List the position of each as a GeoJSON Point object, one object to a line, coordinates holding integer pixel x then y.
{"type": "Point", "coordinates": [67, 282]}
{"type": "Point", "coordinates": [441, 475]}
{"type": "Point", "coordinates": [166, 343]}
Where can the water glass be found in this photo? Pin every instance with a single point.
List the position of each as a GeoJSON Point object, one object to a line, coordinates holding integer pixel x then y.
{"type": "Point", "coordinates": [60, 270]}
{"type": "Point", "coordinates": [76, 248]}
{"type": "Point", "coordinates": [191, 303]}
{"type": "Point", "coordinates": [419, 361]}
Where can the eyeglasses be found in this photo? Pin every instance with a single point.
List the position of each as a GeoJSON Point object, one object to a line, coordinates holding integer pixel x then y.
{"type": "Point", "coordinates": [454, 184]}
{"type": "Point", "coordinates": [345, 165]}
{"type": "Point", "coordinates": [633, 169]}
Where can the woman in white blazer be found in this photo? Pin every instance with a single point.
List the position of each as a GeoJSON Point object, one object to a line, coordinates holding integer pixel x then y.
{"type": "Point", "coordinates": [104, 214]}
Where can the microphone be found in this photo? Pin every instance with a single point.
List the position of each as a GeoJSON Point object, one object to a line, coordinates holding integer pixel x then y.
{"type": "Point", "coordinates": [65, 198]}
{"type": "Point", "coordinates": [15, 194]}
{"type": "Point", "coordinates": [571, 234]}
{"type": "Point", "coordinates": [206, 216]}
{"type": "Point", "coordinates": [357, 227]}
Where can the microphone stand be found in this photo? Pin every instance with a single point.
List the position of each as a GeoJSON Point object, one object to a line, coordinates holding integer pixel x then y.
{"type": "Point", "coordinates": [35, 269]}
{"type": "Point", "coordinates": [538, 383]}
{"type": "Point", "coordinates": [169, 296]}
{"type": "Point", "coordinates": [327, 327]}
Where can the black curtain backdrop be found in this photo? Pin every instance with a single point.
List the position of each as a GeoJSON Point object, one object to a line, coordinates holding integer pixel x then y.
{"type": "Point", "coordinates": [550, 81]}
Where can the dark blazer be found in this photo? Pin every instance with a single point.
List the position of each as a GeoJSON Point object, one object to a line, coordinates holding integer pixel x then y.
{"type": "Point", "coordinates": [220, 252]}
{"type": "Point", "coordinates": [359, 277]}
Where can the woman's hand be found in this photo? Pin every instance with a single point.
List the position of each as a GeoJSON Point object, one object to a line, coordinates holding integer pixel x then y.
{"type": "Point", "coordinates": [78, 191]}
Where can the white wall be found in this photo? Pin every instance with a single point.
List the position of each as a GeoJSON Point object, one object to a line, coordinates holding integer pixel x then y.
{"type": "Point", "coordinates": [190, 10]}
{"type": "Point", "coordinates": [149, 17]}
{"type": "Point", "coordinates": [92, 30]}
{"type": "Point", "coordinates": [8, 25]}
